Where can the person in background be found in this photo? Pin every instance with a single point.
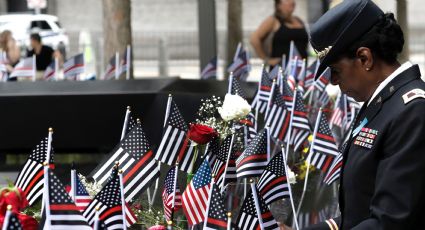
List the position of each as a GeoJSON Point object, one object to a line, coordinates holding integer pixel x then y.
{"type": "Point", "coordinates": [44, 55]}
{"type": "Point", "coordinates": [281, 28]}
{"type": "Point", "coordinates": [10, 48]}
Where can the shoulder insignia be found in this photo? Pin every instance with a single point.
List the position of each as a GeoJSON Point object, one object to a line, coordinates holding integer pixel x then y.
{"type": "Point", "coordinates": [413, 94]}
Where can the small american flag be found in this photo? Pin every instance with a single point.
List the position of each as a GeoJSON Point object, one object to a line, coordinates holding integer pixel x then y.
{"type": "Point", "coordinates": [73, 66]}
{"type": "Point", "coordinates": [250, 219]}
{"type": "Point", "coordinates": [175, 145]}
{"type": "Point", "coordinates": [30, 178]}
{"type": "Point", "coordinates": [278, 116]}
{"type": "Point", "coordinates": [212, 151]}
{"type": "Point", "coordinates": [108, 200]}
{"type": "Point", "coordinates": [25, 68]}
{"type": "Point", "coordinates": [78, 192]}
{"type": "Point", "coordinates": [264, 91]}
{"type": "Point", "coordinates": [50, 71]}
{"type": "Point", "coordinates": [274, 73]}
{"type": "Point", "coordinates": [216, 215]}
{"type": "Point", "coordinates": [110, 69]}
{"type": "Point", "coordinates": [11, 222]}
{"type": "Point", "coordinates": [294, 66]}
{"type": "Point", "coordinates": [240, 66]}
{"type": "Point", "coordinates": [300, 123]}
{"type": "Point", "coordinates": [320, 86]}
{"type": "Point", "coordinates": [224, 167]}
{"type": "Point", "coordinates": [310, 73]}
{"type": "Point", "coordinates": [273, 183]}
{"type": "Point", "coordinates": [236, 88]}
{"type": "Point", "coordinates": [61, 212]}
{"type": "Point", "coordinates": [254, 159]}
{"type": "Point", "coordinates": [135, 158]}
{"type": "Point", "coordinates": [324, 149]}
{"type": "Point", "coordinates": [334, 171]}
{"type": "Point", "coordinates": [287, 94]}
{"type": "Point", "coordinates": [126, 56]}
{"type": "Point", "coordinates": [210, 70]}
{"type": "Point", "coordinates": [195, 196]}
{"type": "Point", "coordinates": [250, 127]}
{"type": "Point", "coordinates": [339, 113]}
{"type": "Point", "coordinates": [171, 196]}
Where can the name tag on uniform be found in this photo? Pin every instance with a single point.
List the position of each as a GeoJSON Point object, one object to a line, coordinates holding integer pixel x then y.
{"type": "Point", "coordinates": [366, 137]}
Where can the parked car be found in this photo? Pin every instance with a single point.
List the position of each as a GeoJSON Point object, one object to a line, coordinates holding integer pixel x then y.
{"type": "Point", "coordinates": [48, 26]}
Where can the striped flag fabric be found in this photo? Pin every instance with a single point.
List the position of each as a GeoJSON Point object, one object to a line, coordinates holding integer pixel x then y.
{"type": "Point", "coordinates": [224, 167]}
{"type": "Point", "coordinates": [263, 93]}
{"type": "Point", "coordinates": [50, 71]}
{"type": "Point", "coordinates": [216, 218]}
{"type": "Point", "coordinates": [353, 108]}
{"type": "Point", "coordinates": [320, 86]}
{"type": "Point", "coordinates": [30, 177]}
{"type": "Point", "coordinates": [250, 219]}
{"type": "Point", "coordinates": [11, 221]}
{"type": "Point", "coordinates": [171, 196]}
{"type": "Point", "coordinates": [274, 73]}
{"type": "Point", "coordinates": [110, 69]}
{"type": "Point", "coordinates": [273, 184]}
{"type": "Point", "coordinates": [334, 171]}
{"type": "Point", "coordinates": [78, 192]}
{"type": "Point", "coordinates": [74, 66]}
{"type": "Point", "coordinates": [175, 145]}
{"type": "Point", "coordinates": [25, 68]}
{"type": "Point", "coordinates": [287, 94]}
{"type": "Point", "coordinates": [135, 158]}
{"type": "Point", "coordinates": [254, 158]}
{"type": "Point", "coordinates": [210, 70]}
{"type": "Point", "coordinates": [339, 112]}
{"type": "Point", "coordinates": [212, 151]}
{"type": "Point", "coordinates": [195, 196]}
{"type": "Point", "coordinates": [300, 123]}
{"type": "Point", "coordinates": [278, 118]}
{"type": "Point", "coordinates": [61, 211]}
{"type": "Point", "coordinates": [250, 130]}
{"type": "Point", "coordinates": [240, 66]}
{"type": "Point", "coordinates": [310, 73]}
{"type": "Point", "coordinates": [323, 146]}
{"type": "Point", "coordinates": [108, 200]}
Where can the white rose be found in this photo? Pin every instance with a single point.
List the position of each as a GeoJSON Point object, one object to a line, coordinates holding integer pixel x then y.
{"type": "Point", "coordinates": [292, 177]}
{"type": "Point", "coordinates": [234, 107]}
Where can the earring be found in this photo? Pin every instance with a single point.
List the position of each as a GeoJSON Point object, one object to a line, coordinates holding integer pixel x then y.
{"type": "Point", "coordinates": [367, 69]}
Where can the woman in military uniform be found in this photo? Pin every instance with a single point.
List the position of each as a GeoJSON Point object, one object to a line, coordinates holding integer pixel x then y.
{"type": "Point", "coordinates": [382, 183]}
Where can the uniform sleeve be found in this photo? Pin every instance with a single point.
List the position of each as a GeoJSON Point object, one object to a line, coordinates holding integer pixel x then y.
{"type": "Point", "coordinates": [331, 224]}
{"type": "Point", "coordinates": [400, 185]}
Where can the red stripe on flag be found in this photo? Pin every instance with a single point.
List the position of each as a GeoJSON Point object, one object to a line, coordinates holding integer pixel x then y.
{"type": "Point", "coordinates": [326, 137]}
{"type": "Point", "coordinates": [272, 184]}
{"type": "Point", "coordinates": [284, 127]}
{"type": "Point", "coordinates": [63, 207]}
{"type": "Point", "coordinates": [73, 67]}
{"type": "Point", "coordinates": [33, 181]}
{"type": "Point", "coordinates": [217, 222]}
{"type": "Point", "coordinates": [139, 164]}
{"type": "Point", "coordinates": [110, 211]}
{"type": "Point", "coordinates": [299, 113]}
{"type": "Point", "coordinates": [183, 149]}
{"type": "Point", "coordinates": [261, 156]}
{"type": "Point", "coordinates": [327, 163]}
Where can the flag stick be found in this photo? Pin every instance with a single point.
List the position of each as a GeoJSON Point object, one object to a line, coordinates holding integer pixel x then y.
{"type": "Point", "coordinates": [7, 217]}
{"type": "Point", "coordinates": [124, 220]}
{"type": "Point", "coordinates": [34, 68]}
{"type": "Point", "coordinates": [125, 125]}
{"type": "Point", "coordinates": [238, 49]}
{"type": "Point", "coordinates": [209, 200]}
{"type": "Point", "coordinates": [56, 68]}
{"type": "Point", "coordinates": [229, 220]}
{"type": "Point", "coordinates": [46, 195]}
{"type": "Point", "coordinates": [229, 89]}
{"type": "Point", "coordinates": [49, 145]}
{"type": "Point", "coordinates": [269, 101]}
{"type": "Point", "coordinates": [73, 184]}
{"type": "Point", "coordinates": [227, 163]}
{"type": "Point", "coordinates": [288, 138]}
{"type": "Point", "coordinates": [257, 205]}
{"type": "Point", "coordinates": [316, 127]}
{"type": "Point", "coordinates": [268, 143]}
{"type": "Point", "coordinates": [127, 74]}
{"type": "Point", "coordinates": [117, 65]}
{"type": "Point", "coordinates": [96, 219]}
{"type": "Point", "coordinates": [290, 191]}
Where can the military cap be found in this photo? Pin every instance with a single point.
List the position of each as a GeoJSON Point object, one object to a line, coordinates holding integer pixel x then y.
{"type": "Point", "coordinates": [339, 27]}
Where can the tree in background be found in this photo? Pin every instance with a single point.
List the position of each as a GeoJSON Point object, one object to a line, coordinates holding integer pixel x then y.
{"type": "Point", "coordinates": [402, 20]}
{"type": "Point", "coordinates": [234, 29]}
{"type": "Point", "coordinates": [116, 28]}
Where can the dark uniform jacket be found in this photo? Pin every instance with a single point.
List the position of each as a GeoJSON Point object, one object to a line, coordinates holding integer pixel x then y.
{"type": "Point", "coordinates": [382, 182]}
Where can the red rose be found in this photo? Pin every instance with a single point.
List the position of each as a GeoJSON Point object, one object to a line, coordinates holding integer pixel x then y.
{"type": "Point", "coordinates": [27, 222]}
{"type": "Point", "coordinates": [201, 134]}
{"type": "Point", "coordinates": [13, 196]}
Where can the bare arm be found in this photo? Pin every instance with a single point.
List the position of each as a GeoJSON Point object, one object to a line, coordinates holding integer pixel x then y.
{"type": "Point", "coordinates": [260, 34]}
{"type": "Point", "coordinates": [13, 51]}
